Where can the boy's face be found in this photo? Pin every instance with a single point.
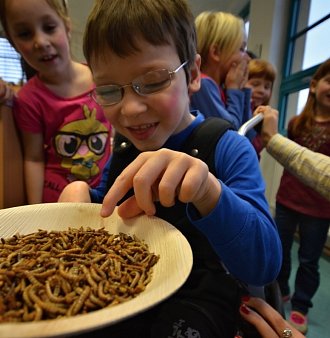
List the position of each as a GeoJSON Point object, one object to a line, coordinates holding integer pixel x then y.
{"type": "Point", "coordinates": [147, 121]}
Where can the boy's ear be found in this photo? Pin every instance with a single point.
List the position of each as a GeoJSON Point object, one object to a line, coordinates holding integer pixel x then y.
{"type": "Point", "coordinates": [195, 76]}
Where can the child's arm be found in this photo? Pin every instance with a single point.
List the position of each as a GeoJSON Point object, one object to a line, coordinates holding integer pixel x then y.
{"type": "Point", "coordinates": [208, 101]}
{"type": "Point", "coordinates": [241, 222]}
{"type": "Point", "coordinates": [80, 191]}
{"type": "Point", "coordinates": [77, 191]}
{"type": "Point", "coordinates": [34, 166]}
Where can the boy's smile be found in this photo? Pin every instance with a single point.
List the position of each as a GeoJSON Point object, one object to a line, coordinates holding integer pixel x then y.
{"type": "Point", "coordinates": [149, 120]}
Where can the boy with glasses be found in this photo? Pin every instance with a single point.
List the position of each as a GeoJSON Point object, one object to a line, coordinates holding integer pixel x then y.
{"type": "Point", "coordinates": [144, 62]}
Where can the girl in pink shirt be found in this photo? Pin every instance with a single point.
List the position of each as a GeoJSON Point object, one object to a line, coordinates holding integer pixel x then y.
{"type": "Point", "coordinates": [64, 132]}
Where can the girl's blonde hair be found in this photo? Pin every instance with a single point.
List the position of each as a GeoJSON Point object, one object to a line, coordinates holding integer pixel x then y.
{"type": "Point", "coordinates": [304, 121]}
{"type": "Point", "coordinates": [59, 6]}
{"type": "Point", "coordinates": [223, 30]}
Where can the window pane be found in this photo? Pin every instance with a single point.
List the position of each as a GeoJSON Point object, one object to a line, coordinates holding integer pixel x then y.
{"type": "Point", "coordinates": [247, 27]}
{"type": "Point", "coordinates": [309, 46]}
{"type": "Point", "coordinates": [312, 48]}
{"type": "Point", "coordinates": [317, 10]}
{"type": "Point", "coordinates": [10, 63]}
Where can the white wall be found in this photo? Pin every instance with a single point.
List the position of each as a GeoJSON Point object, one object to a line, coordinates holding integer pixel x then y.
{"type": "Point", "coordinates": [78, 11]}
{"type": "Point", "coordinates": [267, 33]}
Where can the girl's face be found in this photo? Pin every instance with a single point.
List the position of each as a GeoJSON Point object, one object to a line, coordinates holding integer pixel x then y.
{"type": "Point", "coordinates": [149, 120]}
{"type": "Point", "coordinates": [261, 90]}
{"type": "Point", "coordinates": [39, 35]}
{"type": "Point", "coordinates": [321, 89]}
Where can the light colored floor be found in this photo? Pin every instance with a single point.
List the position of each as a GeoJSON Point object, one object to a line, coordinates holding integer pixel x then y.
{"type": "Point", "coordinates": [318, 316]}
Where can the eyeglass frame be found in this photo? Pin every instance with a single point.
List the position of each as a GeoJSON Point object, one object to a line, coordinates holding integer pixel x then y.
{"type": "Point", "coordinates": [135, 86]}
{"type": "Point", "coordinates": [81, 138]}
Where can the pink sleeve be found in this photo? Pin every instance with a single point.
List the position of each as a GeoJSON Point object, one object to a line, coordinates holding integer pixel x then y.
{"type": "Point", "coordinates": [27, 110]}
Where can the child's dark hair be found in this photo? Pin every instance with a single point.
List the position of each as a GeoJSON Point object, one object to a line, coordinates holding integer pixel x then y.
{"type": "Point", "coordinates": [59, 6]}
{"type": "Point", "coordinates": [117, 24]}
{"type": "Point", "coordinates": [303, 122]}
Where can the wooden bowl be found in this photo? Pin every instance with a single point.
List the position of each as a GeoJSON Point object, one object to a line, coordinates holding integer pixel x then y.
{"type": "Point", "coordinates": [163, 239]}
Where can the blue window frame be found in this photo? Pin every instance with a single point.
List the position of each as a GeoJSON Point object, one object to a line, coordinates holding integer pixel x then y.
{"type": "Point", "coordinates": [307, 47]}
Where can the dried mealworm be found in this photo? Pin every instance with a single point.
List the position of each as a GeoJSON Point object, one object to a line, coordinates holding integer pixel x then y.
{"type": "Point", "coordinates": [47, 306]}
{"type": "Point", "coordinates": [46, 275]}
{"type": "Point", "coordinates": [78, 304]}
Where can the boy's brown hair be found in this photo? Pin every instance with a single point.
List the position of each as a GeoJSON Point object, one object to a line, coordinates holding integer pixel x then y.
{"type": "Point", "coordinates": [117, 24]}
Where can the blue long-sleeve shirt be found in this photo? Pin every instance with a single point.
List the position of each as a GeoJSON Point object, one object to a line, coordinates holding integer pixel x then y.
{"type": "Point", "coordinates": [236, 108]}
{"type": "Point", "coordinates": [240, 229]}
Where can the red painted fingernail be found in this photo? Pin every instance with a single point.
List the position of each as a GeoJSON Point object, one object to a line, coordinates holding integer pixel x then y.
{"type": "Point", "coordinates": [245, 298]}
{"type": "Point", "coordinates": [245, 309]}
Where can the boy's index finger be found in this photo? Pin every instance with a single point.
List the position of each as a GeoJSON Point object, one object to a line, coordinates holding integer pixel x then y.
{"type": "Point", "coordinates": [118, 190]}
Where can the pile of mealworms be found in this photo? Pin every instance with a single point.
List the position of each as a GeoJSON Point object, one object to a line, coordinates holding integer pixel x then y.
{"type": "Point", "coordinates": [52, 274]}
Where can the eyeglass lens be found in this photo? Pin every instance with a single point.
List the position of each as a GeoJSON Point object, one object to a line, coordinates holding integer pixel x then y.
{"type": "Point", "coordinates": [149, 83]}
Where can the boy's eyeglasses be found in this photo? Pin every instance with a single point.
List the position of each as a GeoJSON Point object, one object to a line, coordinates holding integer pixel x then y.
{"type": "Point", "coordinates": [149, 83]}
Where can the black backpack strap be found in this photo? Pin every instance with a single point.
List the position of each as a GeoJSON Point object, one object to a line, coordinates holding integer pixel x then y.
{"type": "Point", "coordinates": [123, 154]}
{"type": "Point", "coordinates": [202, 141]}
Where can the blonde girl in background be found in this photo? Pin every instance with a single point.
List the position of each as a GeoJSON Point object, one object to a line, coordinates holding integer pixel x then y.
{"type": "Point", "coordinates": [221, 42]}
{"type": "Point", "coordinates": [65, 134]}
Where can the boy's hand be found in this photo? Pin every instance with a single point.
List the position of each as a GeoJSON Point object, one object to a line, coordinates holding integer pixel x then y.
{"type": "Point", "coordinates": [163, 176]}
